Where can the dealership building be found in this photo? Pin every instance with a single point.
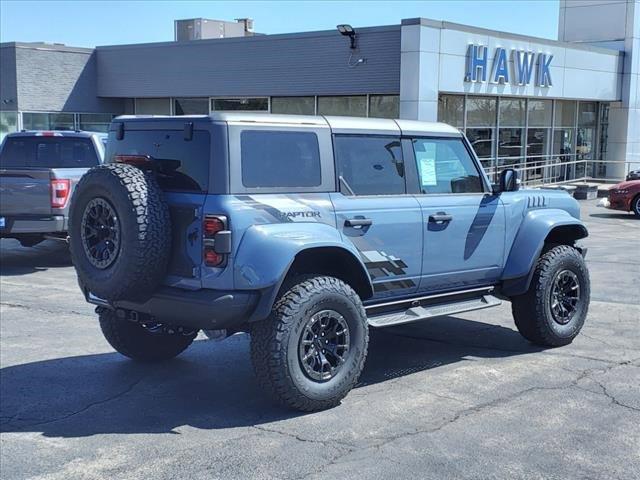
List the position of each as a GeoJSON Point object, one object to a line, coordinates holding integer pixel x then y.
{"type": "Point", "coordinates": [557, 110]}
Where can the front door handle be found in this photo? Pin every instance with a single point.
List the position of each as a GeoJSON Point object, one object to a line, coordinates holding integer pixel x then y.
{"type": "Point", "coordinates": [440, 218]}
{"type": "Point", "coordinates": [358, 222]}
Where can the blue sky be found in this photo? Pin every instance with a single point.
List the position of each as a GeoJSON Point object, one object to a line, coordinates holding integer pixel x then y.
{"type": "Point", "coordinates": [91, 23]}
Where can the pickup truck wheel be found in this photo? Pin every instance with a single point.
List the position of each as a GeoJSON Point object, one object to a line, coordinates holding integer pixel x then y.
{"type": "Point", "coordinates": [119, 229]}
{"type": "Point", "coordinates": [145, 344]}
{"type": "Point", "coordinates": [310, 352]}
{"type": "Point", "coordinates": [552, 312]}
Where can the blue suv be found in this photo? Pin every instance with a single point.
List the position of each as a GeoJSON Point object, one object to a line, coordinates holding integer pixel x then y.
{"type": "Point", "coordinates": [307, 231]}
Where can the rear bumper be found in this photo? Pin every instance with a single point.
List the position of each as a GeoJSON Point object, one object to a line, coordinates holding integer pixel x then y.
{"type": "Point", "coordinates": [29, 224]}
{"type": "Point", "coordinates": [203, 309]}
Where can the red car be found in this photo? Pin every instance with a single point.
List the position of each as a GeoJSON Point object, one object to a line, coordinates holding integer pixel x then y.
{"type": "Point", "coordinates": [625, 196]}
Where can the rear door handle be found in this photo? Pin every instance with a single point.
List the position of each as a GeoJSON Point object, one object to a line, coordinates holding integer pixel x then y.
{"type": "Point", "coordinates": [357, 222]}
{"type": "Point", "coordinates": [440, 218]}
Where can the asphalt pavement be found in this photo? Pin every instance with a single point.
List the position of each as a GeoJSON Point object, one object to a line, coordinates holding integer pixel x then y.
{"type": "Point", "coordinates": [456, 397]}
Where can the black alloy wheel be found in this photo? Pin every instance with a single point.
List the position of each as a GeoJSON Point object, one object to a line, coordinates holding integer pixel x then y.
{"type": "Point", "coordinates": [565, 295]}
{"type": "Point", "coordinates": [100, 232]}
{"type": "Point", "coordinates": [324, 345]}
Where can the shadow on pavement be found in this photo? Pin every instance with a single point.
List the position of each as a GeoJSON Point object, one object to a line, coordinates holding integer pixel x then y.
{"type": "Point", "coordinates": [621, 215]}
{"type": "Point", "coordinates": [212, 385]}
{"type": "Point", "coordinates": [18, 260]}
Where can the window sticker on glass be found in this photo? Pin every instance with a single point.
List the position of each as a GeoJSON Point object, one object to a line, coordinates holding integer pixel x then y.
{"type": "Point", "coordinates": [427, 163]}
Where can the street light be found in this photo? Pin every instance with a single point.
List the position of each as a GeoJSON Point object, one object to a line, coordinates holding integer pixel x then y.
{"type": "Point", "coordinates": [348, 31]}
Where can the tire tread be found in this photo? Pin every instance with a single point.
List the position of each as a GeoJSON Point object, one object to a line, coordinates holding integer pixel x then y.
{"type": "Point", "coordinates": [269, 342]}
{"type": "Point", "coordinates": [529, 309]}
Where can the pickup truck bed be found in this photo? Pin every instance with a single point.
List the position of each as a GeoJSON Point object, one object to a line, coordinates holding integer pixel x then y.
{"type": "Point", "coordinates": [38, 173]}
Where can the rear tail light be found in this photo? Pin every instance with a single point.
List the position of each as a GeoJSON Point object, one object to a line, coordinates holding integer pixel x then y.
{"type": "Point", "coordinates": [216, 240]}
{"type": "Point", "coordinates": [212, 225]}
{"type": "Point", "coordinates": [212, 258]}
{"type": "Point", "coordinates": [60, 190]}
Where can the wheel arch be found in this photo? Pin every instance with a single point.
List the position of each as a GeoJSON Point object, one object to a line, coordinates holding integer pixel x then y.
{"type": "Point", "coordinates": [333, 261]}
{"type": "Point", "coordinates": [328, 260]}
{"type": "Point", "coordinates": [269, 254]}
{"type": "Point", "coordinates": [539, 230]}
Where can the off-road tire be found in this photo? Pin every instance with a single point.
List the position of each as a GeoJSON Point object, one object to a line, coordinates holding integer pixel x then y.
{"type": "Point", "coordinates": [145, 238]}
{"type": "Point", "coordinates": [275, 343]}
{"type": "Point", "coordinates": [635, 206]}
{"type": "Point", "coordinates": [532, 311]}
{"type": "Point", "coordinates": [134, 341]}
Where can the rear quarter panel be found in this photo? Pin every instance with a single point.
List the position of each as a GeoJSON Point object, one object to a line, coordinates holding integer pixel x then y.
{"type": "Point", "coordinates": [261, 226]}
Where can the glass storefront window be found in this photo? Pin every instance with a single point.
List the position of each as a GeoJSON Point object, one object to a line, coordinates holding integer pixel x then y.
{"type": "Point", "coordinates": [510, 144]}
{"type": "Point", "coordinates": [537, 149]}
{"type": "Point", "coordinates": [563, 140]}
{"type": "Point", "coordinates": [537, 142]}
{"type": "Point", "coordinates": [548, 140]}
{"type": "Point", "coordinates": [451, 110]}
{"type": "Point", "coordinates": [47, 121]}
{"type": "Point", "coordinates": [563, 149]}
{"type": "Point", "coordinates": [565, 115]}
{"type": "Point", "coordinates": [352, 106]}
{"type": "Point", "coordinates": [587, 114]}
{"type": "Point", "coordinates": [384, 106]}
{"type": "Point", "coordinates": [481, 139]}
{"type": "Point", "coordinates": [191, 106]}
{"type": "Point", "coordinates": [481, 111]}
{"type": "Point", "coordinates": [153, 106]}
{"type": "Point", "coordinates": [8, 123]}
{"type": "Point", "coordinates": [258, 104]}
{"type": "Point", "coordinates": [293, 105]}
{"type": "Point", "coordinates": [95, 122]}
{"type": "Point", "coordinates": [601, 167]}
{"type": "Point", "coordinates": [584, 143]}
{"type": "Point", "coordinates": [35, 121]}
{"type": "Point", "coordinates": [512, 112]}
{"type": "Point", "coordinates": [540, 113]}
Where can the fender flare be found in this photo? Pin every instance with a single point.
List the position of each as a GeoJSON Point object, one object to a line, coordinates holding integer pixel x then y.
{"type": "Point", "coordinates": [529, 242]}
{"type": "Point", "coordinates": [266, 252]}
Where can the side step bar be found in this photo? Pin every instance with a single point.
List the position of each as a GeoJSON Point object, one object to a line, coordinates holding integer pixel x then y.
{"type": "Point", "coordinates": [442, 308]}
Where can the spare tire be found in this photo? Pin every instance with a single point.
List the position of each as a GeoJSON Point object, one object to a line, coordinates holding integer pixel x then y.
{"type": "Point", "coordinates": [119, 232]}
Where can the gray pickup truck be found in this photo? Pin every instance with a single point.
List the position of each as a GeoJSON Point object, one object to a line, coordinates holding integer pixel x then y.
{"type": "Point", "coordinates": [38, 173]}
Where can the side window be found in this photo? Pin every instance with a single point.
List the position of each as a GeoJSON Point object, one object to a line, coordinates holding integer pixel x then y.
{"type": "Point", "coordinates": [369, 165]}
{"type": "Point", "coordinates": [279, 159]}
{"type": "Point", "coordinates": [445, 166]}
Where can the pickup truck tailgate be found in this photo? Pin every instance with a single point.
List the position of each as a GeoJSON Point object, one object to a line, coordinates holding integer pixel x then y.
{"type": "Point", "coordinates": [25, 191]}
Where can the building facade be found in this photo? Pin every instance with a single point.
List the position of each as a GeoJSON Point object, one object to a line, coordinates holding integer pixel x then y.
{"type": "Point", "coordinates": [556, 110]}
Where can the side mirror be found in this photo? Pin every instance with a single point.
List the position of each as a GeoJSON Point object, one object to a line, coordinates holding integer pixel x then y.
{"type": "Point", "coordinates": [508, 181]}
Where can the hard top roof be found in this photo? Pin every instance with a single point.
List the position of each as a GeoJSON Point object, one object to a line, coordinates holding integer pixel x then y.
{"type": "Point", "coordinates": [336, 123]}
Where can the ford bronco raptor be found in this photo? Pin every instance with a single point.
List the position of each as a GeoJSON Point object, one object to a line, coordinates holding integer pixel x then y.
{"type": "Point", "coordinates": [306, 232]}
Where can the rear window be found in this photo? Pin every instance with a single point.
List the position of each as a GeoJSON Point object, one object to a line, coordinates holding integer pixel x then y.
{"type": "Point", "coordinates": [272, 159]}
{"type": "Point", "coordinates": [180, 165]}
{"type": "Point", "coordinates": [48, 152]}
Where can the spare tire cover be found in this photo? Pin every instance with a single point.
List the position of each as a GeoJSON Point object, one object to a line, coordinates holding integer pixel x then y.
{"type": "Point", "coordinates": [119, 232]}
